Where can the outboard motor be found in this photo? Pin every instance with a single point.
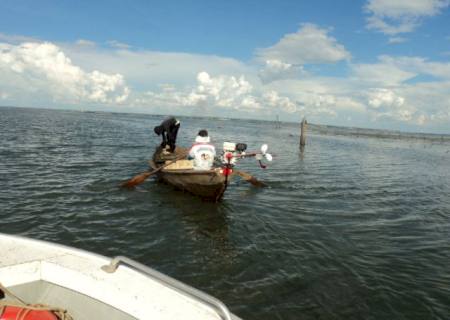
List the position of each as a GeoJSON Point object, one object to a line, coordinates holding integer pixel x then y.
{"type": "Point", "coordinates": [231, 151]}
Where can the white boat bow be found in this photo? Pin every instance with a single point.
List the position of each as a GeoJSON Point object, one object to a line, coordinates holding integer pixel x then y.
{"type": "Point", "coordinates": [91, 286]}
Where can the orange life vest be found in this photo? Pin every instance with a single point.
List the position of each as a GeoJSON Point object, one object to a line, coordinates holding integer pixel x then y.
{"type": "Point", "coordinates": [15, 313]}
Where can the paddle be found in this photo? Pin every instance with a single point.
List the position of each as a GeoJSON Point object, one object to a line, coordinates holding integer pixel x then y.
{"type": "Point", "coordinates": [249, 178]}
{"type": "Point", "coordinates": [143, 176]}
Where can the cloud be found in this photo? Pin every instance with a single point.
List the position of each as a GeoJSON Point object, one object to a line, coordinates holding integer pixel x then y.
{"type": "Point", "coordinates": [145, 70]}
{"type": "Point", "coordinates": [44, 66]}
{"type": "Point", "coordinates": [401, 16]}
{"type": "Point", "coordinates": [273, 100]}
{"type": "Point", "coordinates": [384, 98]}
{"type": "Point", "coordinates": [401, 8]}
{"type": "Point", "coordinates": [429, 100]}
{"type": "Point", "coordinates": [118, 45]}
{"type": "Point", "coordinates": [360, 96]}
{"type": "Point", "coordinates": [419, 65]}
{"type": "Point", "coordinates": [388, 90]}
{"type": "Point", "coordinates": [381, 74]}
{"type": "Point", "coordinates": [217, 92]}
{"type": "Point", "coordinates": [220, 92]}
{"type": "Point", "coordinates": [395, 40]}
{"type": "Point", "coordinates": [323, 97]}
{"type": "Point", "coordinates": [420, 104]}
{"type": "Point", "coordinates": [276, 70]}
{"type": "Point", "coordinates": [16, 39]}
{"type": "Point", "coordinates": [85, 43]}
{"type": "Point", "coordinates": [310, 44]}
{"type": "Point", "coordinates": [394, 87]}
{"type": "Point", "coordinates": [393, 71]}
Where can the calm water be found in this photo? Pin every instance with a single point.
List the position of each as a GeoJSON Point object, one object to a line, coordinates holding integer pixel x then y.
{"type": "Point", "coordinates": [356, 227]}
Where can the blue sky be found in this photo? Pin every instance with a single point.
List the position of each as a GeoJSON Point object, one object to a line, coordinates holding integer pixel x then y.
{"type": "Point", "coordinates": [371, 63]}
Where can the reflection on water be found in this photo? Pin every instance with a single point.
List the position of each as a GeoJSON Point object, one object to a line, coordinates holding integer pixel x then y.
{"type": "Point", "coordinates": [204, 220]}
{"type": "Point", "coordinates": [354, 226]}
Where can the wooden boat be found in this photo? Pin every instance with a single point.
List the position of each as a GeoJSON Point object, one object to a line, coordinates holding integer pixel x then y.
{"type": "Point", "coordinates": [81, 285]}
{"type": "Point", "coordinates": [207, 184]}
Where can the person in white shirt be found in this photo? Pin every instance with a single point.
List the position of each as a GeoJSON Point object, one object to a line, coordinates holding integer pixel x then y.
{"type": "Point", "coordinates": [202, 151]}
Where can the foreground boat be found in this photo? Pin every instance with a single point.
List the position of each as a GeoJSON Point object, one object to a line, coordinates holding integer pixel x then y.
{"type": "Point", "coordinates": [207, 184]}
{"type": "Point", "coordinates": [90, 286]}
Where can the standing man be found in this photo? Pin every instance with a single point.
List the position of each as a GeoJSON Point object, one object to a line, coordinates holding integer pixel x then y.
{"type": "Point", "coordinates": [169, 130]}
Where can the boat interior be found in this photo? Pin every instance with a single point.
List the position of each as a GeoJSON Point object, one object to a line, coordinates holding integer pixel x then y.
{"type": "Point", "coordinates": [78, 306]}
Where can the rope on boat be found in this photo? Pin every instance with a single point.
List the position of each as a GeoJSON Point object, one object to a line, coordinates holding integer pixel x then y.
{"type": "Point", "coordinates": [62, 314]}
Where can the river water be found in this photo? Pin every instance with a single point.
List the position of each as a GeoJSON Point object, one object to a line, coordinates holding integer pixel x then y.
{"type": "Point", "coordinates": [357, 226]}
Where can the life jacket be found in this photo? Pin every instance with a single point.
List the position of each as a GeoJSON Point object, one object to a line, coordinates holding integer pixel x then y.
{"type": "Point", "coordinates": [23, 313]}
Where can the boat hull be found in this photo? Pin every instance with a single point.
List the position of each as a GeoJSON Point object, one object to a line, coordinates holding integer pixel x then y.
{"type": "Point", "coordinates": [206, 184]}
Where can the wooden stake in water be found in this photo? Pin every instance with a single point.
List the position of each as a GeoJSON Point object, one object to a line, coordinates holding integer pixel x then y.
{"type": "Point", "coordinates": [303, 127]}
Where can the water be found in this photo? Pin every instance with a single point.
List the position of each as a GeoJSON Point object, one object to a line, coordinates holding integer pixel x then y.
{"type": "Point", "coordinates": [356, 227]}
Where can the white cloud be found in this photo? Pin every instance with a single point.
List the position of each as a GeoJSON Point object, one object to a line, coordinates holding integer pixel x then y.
{"type": "Point", "coordinates": [310, 44]}
{"type": "Point", "coordinates": [420, 104]}
{"type": "Point", "coordinates": [221, 92]}
{"type": "Point", "coordinates": [430, 100]}
{"type": "Point", "coordinates": [85, 43]}
{"type": "Point", "coordinates": [182, 83]}
{"type": "Point", "coordinates": [319, 97]}
{"type": "Point", "coordinates": [381, 74]}
{"type": "Point", "coordinates": [273, 100]}
{"type": "Point", "coordinates": [118, 45]}
{"type": "Point", "coordinates": [44, 66]}
{"type": "Point", "coordinates": [401, 8]}
{"type": "Point", "coordinates": [380, 24]}
{"type": "Point", "coordinates": [395, 40]}
{"type": "Point", "coordinates": [419, 65]}
{"type": "Point", "coordinates": [384, 98]}
{"type": "Point", "coordinates": [16, 39]}
{"type": "Point", "coordinates": [401, 16]}
{"type": "Point", "coordinates": [361, 97]}
{"type": "Point", "coordinates": [393, 71]}
{"type": "Point", "coordinates": [145, 70]}
{"type": "Point", "coordinates": [276, 70]}
{"type": "Point", "coordinates": [215, 92]}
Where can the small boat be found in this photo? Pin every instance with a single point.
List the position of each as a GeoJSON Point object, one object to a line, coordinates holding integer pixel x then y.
{"type": "Point", "coordinates": [42, 280]}
{"type": "Point", "coordinates": [207, 184]}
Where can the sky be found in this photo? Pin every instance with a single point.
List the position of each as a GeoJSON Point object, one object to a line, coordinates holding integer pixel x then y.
{"type": "Point", "coordinates": [361, 63]}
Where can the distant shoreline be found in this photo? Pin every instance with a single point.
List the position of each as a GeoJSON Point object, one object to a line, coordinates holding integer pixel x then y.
{"type": "Point", "coordinates": [378, 133]}
{"type": "Point", "coordinates": [313, 127]}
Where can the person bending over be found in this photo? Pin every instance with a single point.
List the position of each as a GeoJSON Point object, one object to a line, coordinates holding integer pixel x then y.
{"type": "Point", "coordinates": [169, 130]}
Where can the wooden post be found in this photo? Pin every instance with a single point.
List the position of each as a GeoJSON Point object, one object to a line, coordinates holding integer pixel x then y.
{"type": "Point", "coordinates": [303, 127]}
